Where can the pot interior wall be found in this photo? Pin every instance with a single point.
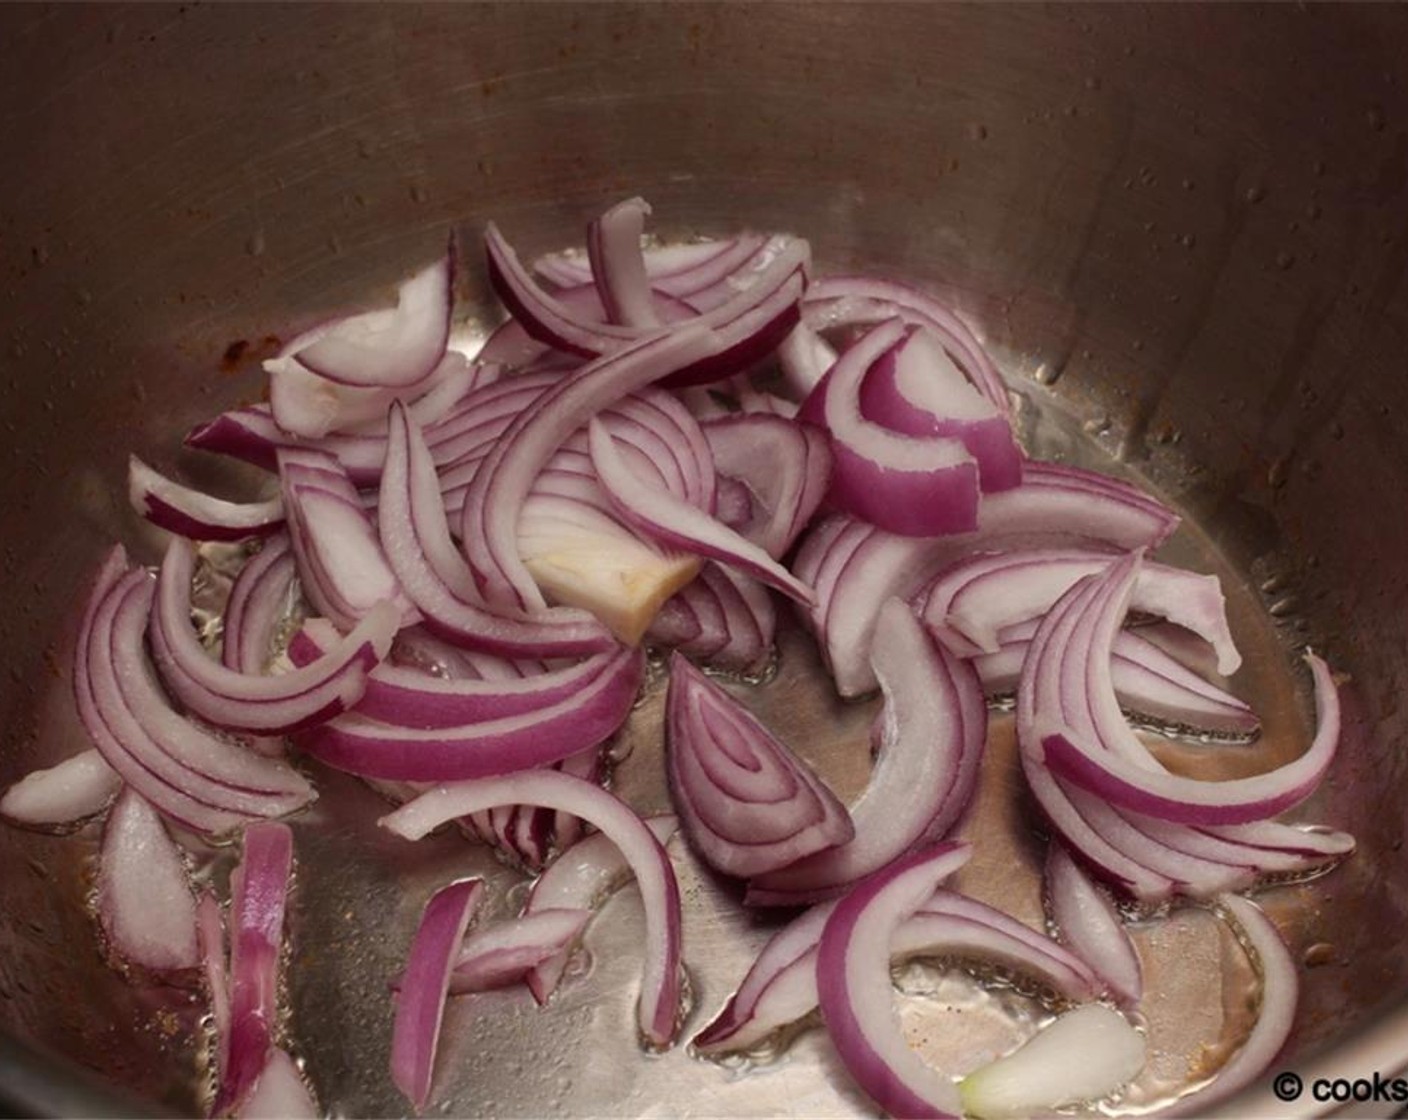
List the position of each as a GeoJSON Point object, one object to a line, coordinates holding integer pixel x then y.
{"type": "Point", "coordinates": [1183, 227]}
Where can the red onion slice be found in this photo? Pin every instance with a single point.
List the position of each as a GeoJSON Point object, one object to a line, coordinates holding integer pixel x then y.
{"type": "Point", "coordinates": [582, 719]}
{"type": "Point", "coordinates": [79, 787]}
{"type": "Point", "coordinates": [580, 879]}
{"type": "Point", "coordinates": [420, 1004]}
{"type": "Point", "coordinates": [145, 902]}
{"type": "Point", "coordinates": [661, 988]}
{"type": "Point", "coordinates": [854, 990]}
{"type": "Point", "coordinates": [269, 705]}
{"type": "Point", "coordinates": [913, 486]}
{"type": "Point", "coordinates": [429, 568]}
{"type": "Point", "coordinates": [804, 357]}
{"type": "Point", "coordinates": [195, 514]}
{"type": "Point", "coordinates": [971, 603]}
{"type": "Point", "coordinates": [723, 619]}
{"type": "Point", "coordinates": [280, 1093]}
{"type": "Point", "coordinates": [784, 467]}
{"type": "Point", "coordinates": [838, 302]}
{"type": "Point", "coordinates": [1087, 921]}
{"type": "Point", "coordinates": [502, 954]}
{"type": "Point", "coordinates": [749, 805]}
{"type": "Point", "coordinates": [258, 896]}
{"type": "Point", "coordinates": [932, 732]}
{"type": "Point", "coordinates": [390, 350]}
{"type": "Point", "coordinates": [1280, 991]}
{"type": "Point", "coordinates": [506, 475]}
{"type": "Point", "coordinates": [781, 989]}
{"type": "Point", "coordinates": [677, 524]}
{"type": "Point", "coordinates": [210, 937]}
{"type": "Point", "coordinates": [260, 598]}
{"type": "Point", "coordinates": [618, 266]}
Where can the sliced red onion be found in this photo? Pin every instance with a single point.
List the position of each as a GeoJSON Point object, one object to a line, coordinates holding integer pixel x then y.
{"type": "Point", "coordinates": [1280, 990]}
{"type": "Point", "coordinates": [618, 267]}
{"type": "Point", "coordinates": [971, 603]}
{"type": "Point", "coordinates": [722, 618]}
{"type": "Point", "coordinates": [804, 357]}
{"type": "Point", "coordinates": [1071, 717]}
{"type": "Point", "coordinates": [195, 514]}
{"type": "Point", "coordinates": [390, 349]}
{"type": "Point", "coordinates": [1088, 922]}
{"type": "Point", "coordinates": [506, 475]}
{"type": "Point", "coordinates": [854, 990]}
{"type": "Point", "coordinates": [582, 718]}
{"type": "Point", "coordinates": [931, 736]}
{"type": "Point", "coordinates": [1082, 1056]}
{"type": "Point", "coordinates": [269, 705]}
{"type": "Point", "coordinates": [280, 1093]}
{"type": "Point", "coordinates": [839, 302]}
{"type": "Point", "coordinates": [661, 989]}
{"type": "Point", "coordinates": [749, 805]}
{"type": "Point", "coordinates": [429, 568]}
{"type": "Point", "coordinates": [258, 897]}
{"type": "Point", "coordinates": [913, 486]}
{"type": "Point", "coordinates": [1151, 685]}
{"type": "Point", "coordinates": [145, 902]}
{"type": "Point", "coordinates": [210, 937]}
{"type": "Point", "coordinates": [260, 599]}
{"type": "Point", "coordinates": [411, 699]}
{"type": "Point", "coordinates": [77, 788]}
{"type": "Point", "coordinates": [855, 567]}
{"type": "Point", "coordinates": [917, 390]}
{"type": "Point", "coordinates": [502, 954]}
{"type": "Point", "coordinates": [420, 1004]}
{"type": "Point", "coordinates": [780, 989]}
{"type": "Point", "coordinates": [784, 468]}
{"type": "Point", "coordinates": [677, 524]}
{"type": "Point", "coordinates": [580, 879]}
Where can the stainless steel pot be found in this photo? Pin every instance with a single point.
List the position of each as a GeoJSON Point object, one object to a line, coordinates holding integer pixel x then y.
{"type": "Point", "coordinates": [1183, 226]}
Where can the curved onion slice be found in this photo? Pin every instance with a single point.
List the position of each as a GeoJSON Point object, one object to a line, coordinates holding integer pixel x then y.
{"type": "Point", "coordinates": [917, 486]}
{"type": "Point", "coordinates": [258, 896]}
{"type": "Point", "coordinates": [259, 600]}
{"type": "Point", "coordinates": [145, 902]}
{"type": "Point", "coordinates": [853, 984]}
{"type": "Point", "coordinates": [722, 618]}
{"type": "Point", "coordinates": [971, 603]}
{"type": "Point", "coordinates": [677, 524]}
{"type": "Point", "coordinates": [420, 1004]}
{"type": "Point", "coordinates": [1072, 719]}
{"type": "Point", "coordinates": [618, 266]}
{"type": "Point", "coordinates": [1280, 990]}
{"type": "Point", "coordinates": [840, 302]}
{"type": "Point", "coordinates": [503, 953]}
{"type": "Point", "coordinates": [77, 788]}
{"type": "Point", "coordinates": [270, 705]}
{"type": "Point", "coordinates": [210, 936]}
{"type": "Point", "coordinates": [505, 477]}
{"type": "Point", "coordinates": [580, 879]}
{"type": "Point", "coordinates": [583, 718]}
{"type": "Point", "coordinates": [280, 1093]}
{"type": "Point", "coordinates": [194, 514]}
{"type": "Point", "coordinates": [1087, 921]}
{"type": "Point", "coordinates": [1083, 1055]}
{"type": "Point", "coordinates": [804, 357]}
{"type": "Point", "coordinates": [780, 988]}
{"type": "Point", "coordinates": [749, 805]}
{"type": "Point", "coordinates": [418, 546]}
{"type": "Point", "coordinates": [661, 988]}
{"type": "Point", "coordinates": [783, 466]}
{"type": "Point", "coordinates": [932, 732]}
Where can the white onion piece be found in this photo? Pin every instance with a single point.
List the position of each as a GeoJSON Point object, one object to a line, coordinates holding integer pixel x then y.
{"type": "Point", "coordinates": [280, 1093]}
{"type": "Point", "coordinates": [661, 988]}
{"type": "Point", "coordinates": [145, 902]}
{"type": "Point", "coordinates": [749, 805]}
{"type": "Point", "coordinates": [1280, 991]}
{"type": "Point", "coordinates": [1087, 921]}
{"type": "Point", "coordinates": [1084, 1055]}
{"type": "Point", "coordinates": [678, 525]}
{"type": "Point", "coordinates": [502, 954]}
{"type": "Point", "coordinates": [932, 732]}
{"type": "Point", "coordinates": [580, 879]}
{"type": "Point", "coordinates": [854, 989]}
{"type": "Point", "coordinates": [618, 266]}
{"type": "Point", "coordinates": [77, 788]}
{"type": "Point", "coordinates": [194, 514]}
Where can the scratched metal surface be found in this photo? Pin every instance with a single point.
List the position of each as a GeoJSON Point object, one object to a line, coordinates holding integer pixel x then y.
{"type": "Point", "coordinates": [1180, 228]}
